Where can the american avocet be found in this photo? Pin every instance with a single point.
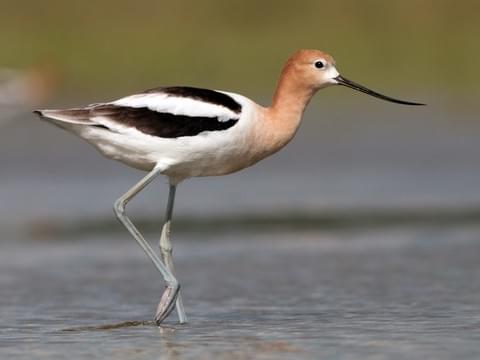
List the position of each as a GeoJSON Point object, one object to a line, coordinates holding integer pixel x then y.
{"type": "Point", "coordinates": [183, 132]}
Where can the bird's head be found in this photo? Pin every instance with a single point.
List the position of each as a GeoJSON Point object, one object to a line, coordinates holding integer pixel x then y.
{"type": "Point", "coordinates": [316, 69]}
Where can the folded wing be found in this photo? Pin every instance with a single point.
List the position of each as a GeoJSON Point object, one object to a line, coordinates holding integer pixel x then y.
{"type": "Point", "coordinates": [169, 112]}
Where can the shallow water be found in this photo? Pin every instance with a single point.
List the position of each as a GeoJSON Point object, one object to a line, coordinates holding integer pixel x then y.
{"type": "Point", "coordinates": [397, 294]}
{"type": "Point", "coordinates": [368, 246]}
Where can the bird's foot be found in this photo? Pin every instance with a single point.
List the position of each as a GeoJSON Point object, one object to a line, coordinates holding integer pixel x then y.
{"type": "Point", "coordinates": [167, 303]}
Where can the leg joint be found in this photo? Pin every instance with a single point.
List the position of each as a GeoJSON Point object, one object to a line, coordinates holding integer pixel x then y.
{"type": "Point", "coordinates": [119, 207]}
{"type": "Point", "coordinates": [166, 249]}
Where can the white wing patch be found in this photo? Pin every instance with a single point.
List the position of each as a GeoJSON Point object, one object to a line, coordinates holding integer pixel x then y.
{"type": "Point", "coordinates": [177, 105]}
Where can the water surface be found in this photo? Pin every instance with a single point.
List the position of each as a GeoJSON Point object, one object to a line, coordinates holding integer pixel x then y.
{"type": "Point", "coordinates": [397, 294]}
{"type": "Point", "coordinates": [360, 240]}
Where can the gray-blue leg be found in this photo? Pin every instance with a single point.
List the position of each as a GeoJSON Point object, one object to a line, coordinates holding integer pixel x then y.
{"type": "Point", "coordinates": [166, 248]}
{"type": "Point", "coordinates": [170, 294]}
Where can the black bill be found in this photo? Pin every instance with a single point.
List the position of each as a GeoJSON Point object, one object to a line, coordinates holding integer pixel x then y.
{"type": "Point", "coordinates": [353, 85]}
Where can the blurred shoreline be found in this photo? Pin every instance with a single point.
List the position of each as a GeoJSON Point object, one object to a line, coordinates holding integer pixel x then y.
{"type": "Point", "coordinates": [117, 47]}
{"type": "Point", "coordinates": [298, 221]}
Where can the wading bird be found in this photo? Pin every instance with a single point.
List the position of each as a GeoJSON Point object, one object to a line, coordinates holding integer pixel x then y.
{"type": "Point", "coordinates": [183, 132]}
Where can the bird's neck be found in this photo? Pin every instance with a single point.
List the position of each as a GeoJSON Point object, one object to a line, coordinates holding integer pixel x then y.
{"type": "Point", "coordinates": [289, 102]}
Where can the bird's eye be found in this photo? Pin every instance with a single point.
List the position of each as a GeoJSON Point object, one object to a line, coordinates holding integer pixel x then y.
{"type": "Point", "coordinates": [319, 64]}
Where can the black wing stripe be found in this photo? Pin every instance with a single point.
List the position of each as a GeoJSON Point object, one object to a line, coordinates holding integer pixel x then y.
{"type": "Point", "coordinates": [206, 95]}
{"type": "Point", "coordinates": [164, 125]}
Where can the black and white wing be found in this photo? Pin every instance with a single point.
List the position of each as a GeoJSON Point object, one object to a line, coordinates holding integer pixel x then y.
{"type": "Point", "coordinates": [168, 112]}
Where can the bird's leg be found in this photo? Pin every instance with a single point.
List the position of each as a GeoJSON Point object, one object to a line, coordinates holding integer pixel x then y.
{"type": "Point", "coordinates": [171, 292]}
{"type": "Point", "coordinates": [166, 248]}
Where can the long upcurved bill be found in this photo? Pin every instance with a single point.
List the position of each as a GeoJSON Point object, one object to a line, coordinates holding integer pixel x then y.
{"type": "Point", "coordinates": [353, 85]}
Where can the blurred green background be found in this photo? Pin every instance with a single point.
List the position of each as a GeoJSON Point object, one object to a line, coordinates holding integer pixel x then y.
{"type": "Point", "coordinates": [111, 47]}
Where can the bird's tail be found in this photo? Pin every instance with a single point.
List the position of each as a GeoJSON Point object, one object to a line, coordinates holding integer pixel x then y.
{"type": "Point", "coordinates": [71, 116]}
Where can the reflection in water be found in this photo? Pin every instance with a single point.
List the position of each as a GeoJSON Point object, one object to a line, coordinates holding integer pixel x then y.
{"type": "Point", "coordinates": [114, 326]}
